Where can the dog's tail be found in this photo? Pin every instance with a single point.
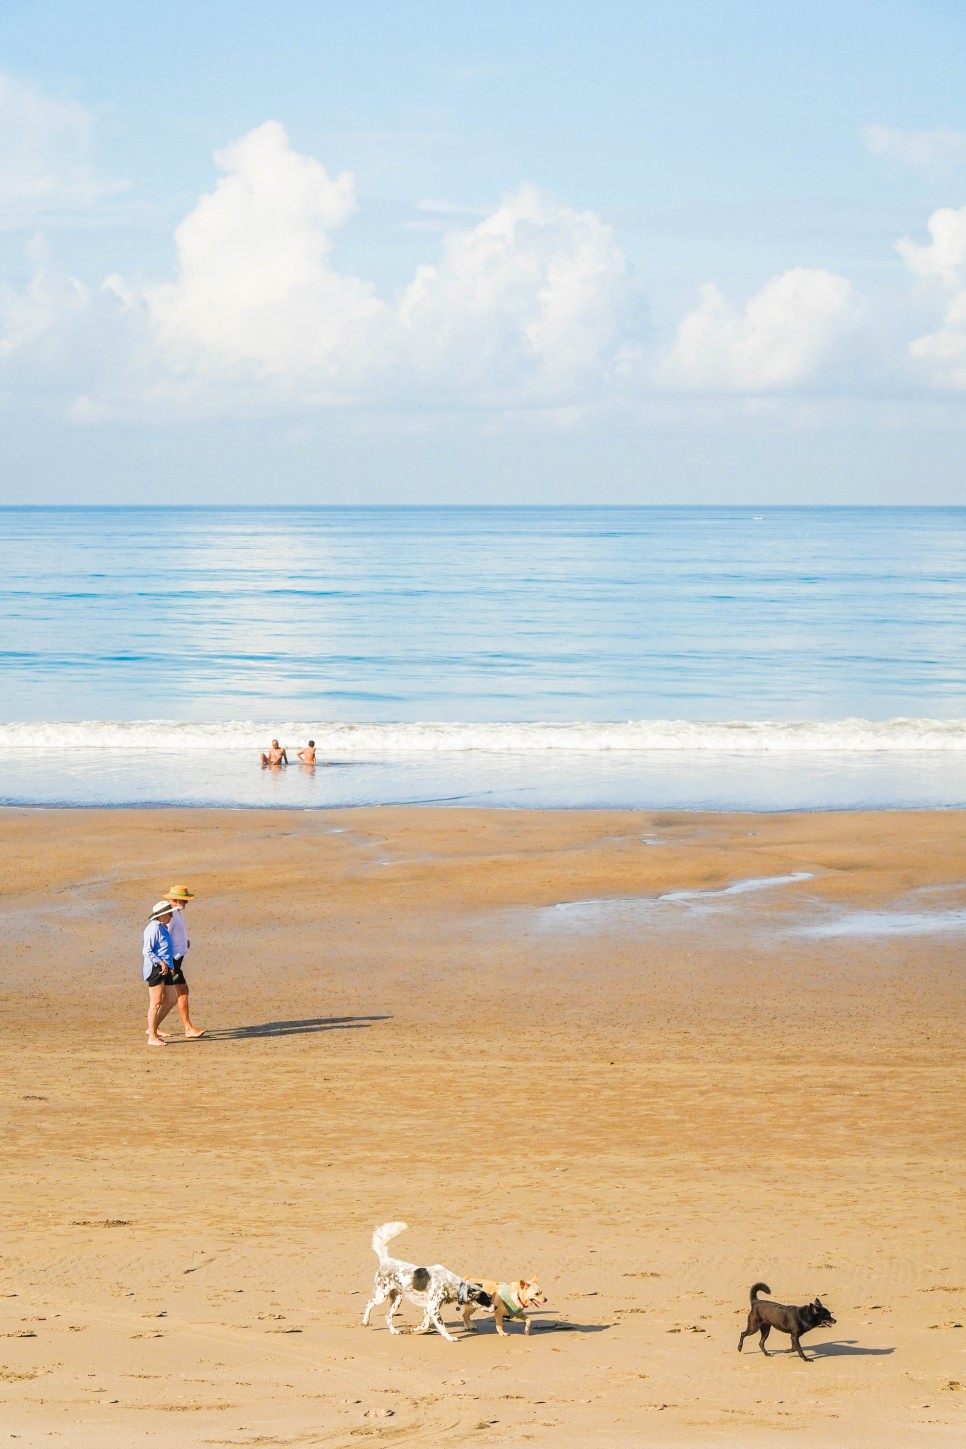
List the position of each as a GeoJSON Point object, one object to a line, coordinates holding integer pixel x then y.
{"type": "Point", "coordinates": [381, 1237]}
{"type": "Point", "coordinates": [758, 1288]}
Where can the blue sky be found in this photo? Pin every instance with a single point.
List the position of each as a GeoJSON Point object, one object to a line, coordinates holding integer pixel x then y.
{"type": "Point", "coordinates": [413, 252]}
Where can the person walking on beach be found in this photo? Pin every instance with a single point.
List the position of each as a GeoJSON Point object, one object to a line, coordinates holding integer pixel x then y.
{"type": "Point", "coordinates": [176, 987]}
{"type": "Point", "coordinates": [157, 962]}
{"type": "Point", "coordinates": [276, 756]}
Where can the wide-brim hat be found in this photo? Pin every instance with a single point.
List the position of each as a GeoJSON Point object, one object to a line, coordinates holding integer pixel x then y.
{"type": "Point", "coordinates": [179, 893]}
{"type": "Point", "coordinates": [162, 908]}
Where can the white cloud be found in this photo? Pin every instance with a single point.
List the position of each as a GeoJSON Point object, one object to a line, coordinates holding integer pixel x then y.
{"type": "Point", "coordinates": [255, 284]}
{"type": "Point", "coordinates": [532, 297]}
{"type": "Point", "coordinates": [528, 313]}
{"type": "Point", "coordinates": [923, 150]}
{"type": "Point", "coordinates": [41, 307]}
{"type": "Point", "coordinates": [529, 303]}
{"type": "Point", "coordinates": [943, 261]}
{"type": "Point", "coordinates": [45, 165]}
{"type": "Point", "coordinates": [778, 340]}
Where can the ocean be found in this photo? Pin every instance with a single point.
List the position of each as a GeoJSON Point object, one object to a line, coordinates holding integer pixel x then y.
{"type": "Point", "coordinates": [719, 658]}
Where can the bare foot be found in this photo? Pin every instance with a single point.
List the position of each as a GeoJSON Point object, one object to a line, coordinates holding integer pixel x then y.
{"type": "Point", "coordinates": [162, 1034]}
{"type": "Point", "coordinates": [194, 1032]}
{"type": "Point", "coordinates": [156, 1041]}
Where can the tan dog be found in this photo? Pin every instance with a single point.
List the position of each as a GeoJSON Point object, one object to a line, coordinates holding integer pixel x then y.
{"type": "Point", "coordinates": [508, 1300]}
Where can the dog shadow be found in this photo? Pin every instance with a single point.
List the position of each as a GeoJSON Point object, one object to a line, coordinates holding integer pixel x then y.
{"type": "Point", "coordinates": [554, 1325]}
{"type": "Point", "coordinates": [844, 1348]}
{"type": "Point", "coordinates": [306, 1027]}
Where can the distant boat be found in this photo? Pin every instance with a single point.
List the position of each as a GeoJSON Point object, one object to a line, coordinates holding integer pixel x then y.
{"type": "Point", "coordinates": [758, 518]}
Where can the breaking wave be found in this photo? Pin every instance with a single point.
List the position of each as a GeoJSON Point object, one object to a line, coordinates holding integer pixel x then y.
{"type": "Point", "coordinates": [792, 737]}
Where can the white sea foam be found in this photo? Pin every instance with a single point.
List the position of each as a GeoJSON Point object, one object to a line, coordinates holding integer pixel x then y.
{"type": "Point", "coordinates": [746, 737]}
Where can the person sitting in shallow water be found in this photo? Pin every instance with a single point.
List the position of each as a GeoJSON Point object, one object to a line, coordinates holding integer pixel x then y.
{"type": "Point", "coordinates": [276, 756]}
{"type": "Point", "coordinates": [307, 756]}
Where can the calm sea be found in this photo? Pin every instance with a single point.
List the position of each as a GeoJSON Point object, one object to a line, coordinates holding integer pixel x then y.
{"type": "Point", "coordinates": [718, 657]}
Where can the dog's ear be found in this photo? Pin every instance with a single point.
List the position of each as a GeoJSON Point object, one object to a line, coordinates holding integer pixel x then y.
{"type": "Point", "coordinates": [817, 1303]}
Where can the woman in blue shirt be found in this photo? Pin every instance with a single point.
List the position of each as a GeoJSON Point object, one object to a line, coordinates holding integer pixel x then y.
{"type": "Point", "coordinates": [158, 961]}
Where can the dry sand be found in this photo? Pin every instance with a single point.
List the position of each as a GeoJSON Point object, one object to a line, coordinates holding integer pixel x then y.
{"type": "Point", "coordinates": [649, 1104]}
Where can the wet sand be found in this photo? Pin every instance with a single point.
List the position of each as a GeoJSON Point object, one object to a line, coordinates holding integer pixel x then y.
{"type": "Point", "coordinates": [489, 1025]}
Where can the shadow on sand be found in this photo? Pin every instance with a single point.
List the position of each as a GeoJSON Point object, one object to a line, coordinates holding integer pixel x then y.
{"type": "Point", "coordinates": [541, 1325]}
{"type": "Point", "coordinates": [288, 1028]}
{"type": "Point", "coordinates": [842, 1348]}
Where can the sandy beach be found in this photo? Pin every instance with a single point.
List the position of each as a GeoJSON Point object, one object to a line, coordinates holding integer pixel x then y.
{"type": "Point", "coordinates": [490, 1025]}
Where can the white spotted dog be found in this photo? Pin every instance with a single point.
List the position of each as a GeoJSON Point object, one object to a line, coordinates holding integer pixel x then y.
{"type": "Point", "coordinates": [428, 1288]}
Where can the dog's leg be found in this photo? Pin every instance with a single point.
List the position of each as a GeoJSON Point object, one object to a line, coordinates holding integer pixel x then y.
{"type": "Point", "coordinates": [526, 1326]}
{"type": "Point", "coordinates": [432, 1316]}
{"type": "Point", "coordinates": [765, 1331]}
{"type": "Point", "coordinates": [395, 1298]}
{"type": "Point", "coordinates": [797, 1346]}
{"type": "Point", "coordinates": [433, 1320]}
{"type": "Point", "coordinates": [379, 1296]}
{"type": "Point", "coordinates": [443, 1329]}
{"type": "Point", "coordinates": [468, 1312]}
{"type": "Point", "coordinates": [499, 1313]}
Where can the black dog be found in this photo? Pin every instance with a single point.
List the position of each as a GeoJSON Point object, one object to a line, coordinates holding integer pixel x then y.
{"type": "Point", "coordinates": [765, 1316]}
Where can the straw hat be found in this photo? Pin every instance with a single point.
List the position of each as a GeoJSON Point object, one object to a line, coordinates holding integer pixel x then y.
{"type": "Point", "coordinates": [162, 908]}
{"type": "Point", "coordinates": [179, 893]}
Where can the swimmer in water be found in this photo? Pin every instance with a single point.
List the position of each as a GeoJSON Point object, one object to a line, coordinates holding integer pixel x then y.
{"type": "Point", "coordinates": [275, 758]}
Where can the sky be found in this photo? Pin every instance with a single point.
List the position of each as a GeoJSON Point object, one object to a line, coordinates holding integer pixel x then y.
{"type": "Point", "coordinates": [526, 251]}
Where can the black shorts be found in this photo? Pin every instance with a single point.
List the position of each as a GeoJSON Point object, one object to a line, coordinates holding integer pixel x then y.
{"type": "Point", "coordinates": [175, 977]}
{"type": "Point", "coordinates": [156, 978]}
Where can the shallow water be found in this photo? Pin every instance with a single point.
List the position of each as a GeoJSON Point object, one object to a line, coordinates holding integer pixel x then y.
{"type": "Point", "coordinates": [740, 888]}
{"type": "Point", "coordinates": [888, 923]}
{"type": "Point", "coordinates": [803, 914]}
{"type": "Point", "coordinates": [703, 657]}
{"type": "Point", "coordinates": [551, 780]}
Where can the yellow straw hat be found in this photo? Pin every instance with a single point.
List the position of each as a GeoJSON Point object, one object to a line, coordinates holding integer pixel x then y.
{"type": "Point", "coordinates": [179, 893]}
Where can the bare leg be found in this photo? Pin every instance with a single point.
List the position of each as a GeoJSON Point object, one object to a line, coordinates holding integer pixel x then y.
{"type": "Point", "coordinates": [155, 996]}
{"type": "Point", "coordinates": [189, 1030]}
{"type": "Point", "coordinates": [168, 1000]}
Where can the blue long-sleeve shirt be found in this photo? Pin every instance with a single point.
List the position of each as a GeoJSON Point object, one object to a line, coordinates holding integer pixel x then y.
{"type": "Point", "coordinates": [157, 948]}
